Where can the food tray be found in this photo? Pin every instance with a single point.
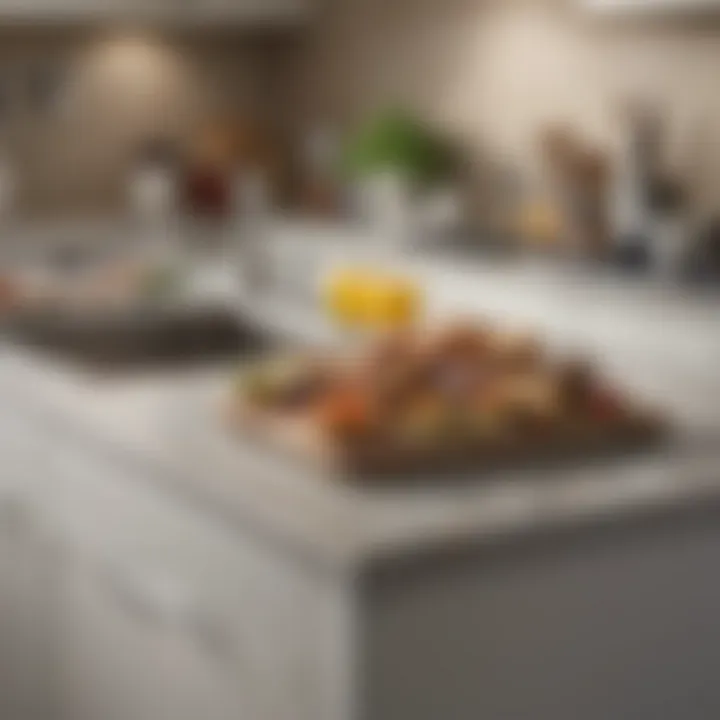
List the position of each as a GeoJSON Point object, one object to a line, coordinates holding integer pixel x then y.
{"type": "Point", "coordinates": [300, 437]}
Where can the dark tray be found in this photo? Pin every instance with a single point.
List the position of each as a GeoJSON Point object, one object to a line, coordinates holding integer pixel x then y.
{"type": "Point", "coordinates": [299, 437]}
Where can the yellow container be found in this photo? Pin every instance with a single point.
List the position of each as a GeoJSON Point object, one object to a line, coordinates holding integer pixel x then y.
{"type": "Point", "coordinates": [361, 298]}
{"type": "Point", "coordinates": [395, 302]}
{"type": "Point", "coordinates": [344, 297]}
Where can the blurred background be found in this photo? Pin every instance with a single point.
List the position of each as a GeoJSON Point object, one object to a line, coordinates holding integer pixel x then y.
{"type": "Point", "coordinates": [544, 102]}
{"type": "Point", "coordinates": [243, 243]}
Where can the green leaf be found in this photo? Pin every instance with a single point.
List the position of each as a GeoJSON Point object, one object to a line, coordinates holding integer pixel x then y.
{"type": "Point", "coordinates": [395, 141]}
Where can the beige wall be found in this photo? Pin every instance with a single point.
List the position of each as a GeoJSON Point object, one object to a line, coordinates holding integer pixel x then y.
{"type": "Point", "coordinates": [123, 88]}
{"type": "Point", "coordinates": [494, 71]}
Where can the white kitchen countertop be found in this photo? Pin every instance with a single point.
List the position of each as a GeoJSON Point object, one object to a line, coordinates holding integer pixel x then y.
{"type": "Point", "coordinates": [660, 341]}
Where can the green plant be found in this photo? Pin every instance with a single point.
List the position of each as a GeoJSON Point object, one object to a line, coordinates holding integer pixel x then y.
{"type": "Point", "coordinates": [396, 141]}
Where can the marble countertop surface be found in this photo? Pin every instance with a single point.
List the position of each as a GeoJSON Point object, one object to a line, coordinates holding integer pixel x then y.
{"type": "Point", "coordinates": [659, 341]}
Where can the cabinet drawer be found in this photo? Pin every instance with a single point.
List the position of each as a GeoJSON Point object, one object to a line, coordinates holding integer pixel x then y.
{"type": "Point", "coordinates": [258, 613]}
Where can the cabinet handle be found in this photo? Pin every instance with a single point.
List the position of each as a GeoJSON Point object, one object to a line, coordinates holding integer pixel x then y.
{"type": "Point", "coordinates": [159, 599]}
{"type": "Point", "coordinates": [21, 521]}
{"type": "Point", "coordinates": [15, 512]}
{"type": "Point", "coordinates": [150, 596]}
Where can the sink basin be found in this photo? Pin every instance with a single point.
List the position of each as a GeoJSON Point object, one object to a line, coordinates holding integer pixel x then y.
{"type": "Point", "coordinates": [140, 337]}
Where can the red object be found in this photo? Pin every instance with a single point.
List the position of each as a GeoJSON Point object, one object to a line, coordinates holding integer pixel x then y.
{"type": "Point", "coordinates": [8, 294]}
{"type": "Point", "coordinates": [606, 406]}
{"type": "Point", "coordinates": [207, 193]}
{"type": "Point", "coordinates": [345, 412]}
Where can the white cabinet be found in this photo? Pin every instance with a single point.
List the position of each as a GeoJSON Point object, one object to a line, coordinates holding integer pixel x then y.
{"type": "Point", "coordinates": [29, 569]}
{"type": "Point", "coordinates": [127, 655]}
{"type": "Point", "coordinates": [121, 599]}
{"type": "Point", "coordinates": [167, 613]}
{"type": "Point", "coordinates": [28, 606]}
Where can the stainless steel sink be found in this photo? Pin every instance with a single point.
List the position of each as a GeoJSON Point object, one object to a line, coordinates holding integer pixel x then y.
{"type": "Point", "coordinates": [140, 337]}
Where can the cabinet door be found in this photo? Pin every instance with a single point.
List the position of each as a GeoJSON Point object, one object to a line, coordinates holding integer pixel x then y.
{"type": "Point", "coordinates": [29, 564]}
{"type": "Point", "coordinates": [130, 652]}
{"type": "Point", "coordinates": [27, 624]}
{"type": "Point", "coordinates": [170, 612]}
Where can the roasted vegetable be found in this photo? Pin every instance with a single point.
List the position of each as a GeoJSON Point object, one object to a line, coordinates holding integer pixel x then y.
{"type": "Point", "coordinates": [426, 421]}
{"type": "Point", "coordinates": [464, 386]}
{"type": "Point", "coordinates": [461, 341]}
{"type": "Point", "coordinates": [286, 383]}
{"type": "Point", "coordinates": [516, 352]}
{"type": "Point", "coordinates": [345, 413]}
{"type": "Point", "coordinates": [606, 406]}
{"type": "Point", "coordinates": [576, 380]}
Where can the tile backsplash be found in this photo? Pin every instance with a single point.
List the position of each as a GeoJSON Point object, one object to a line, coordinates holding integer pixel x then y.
{"type": "Point", "coordinates": [495, 71]}
{"type": "Point", "coordinates": [117, 91]}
